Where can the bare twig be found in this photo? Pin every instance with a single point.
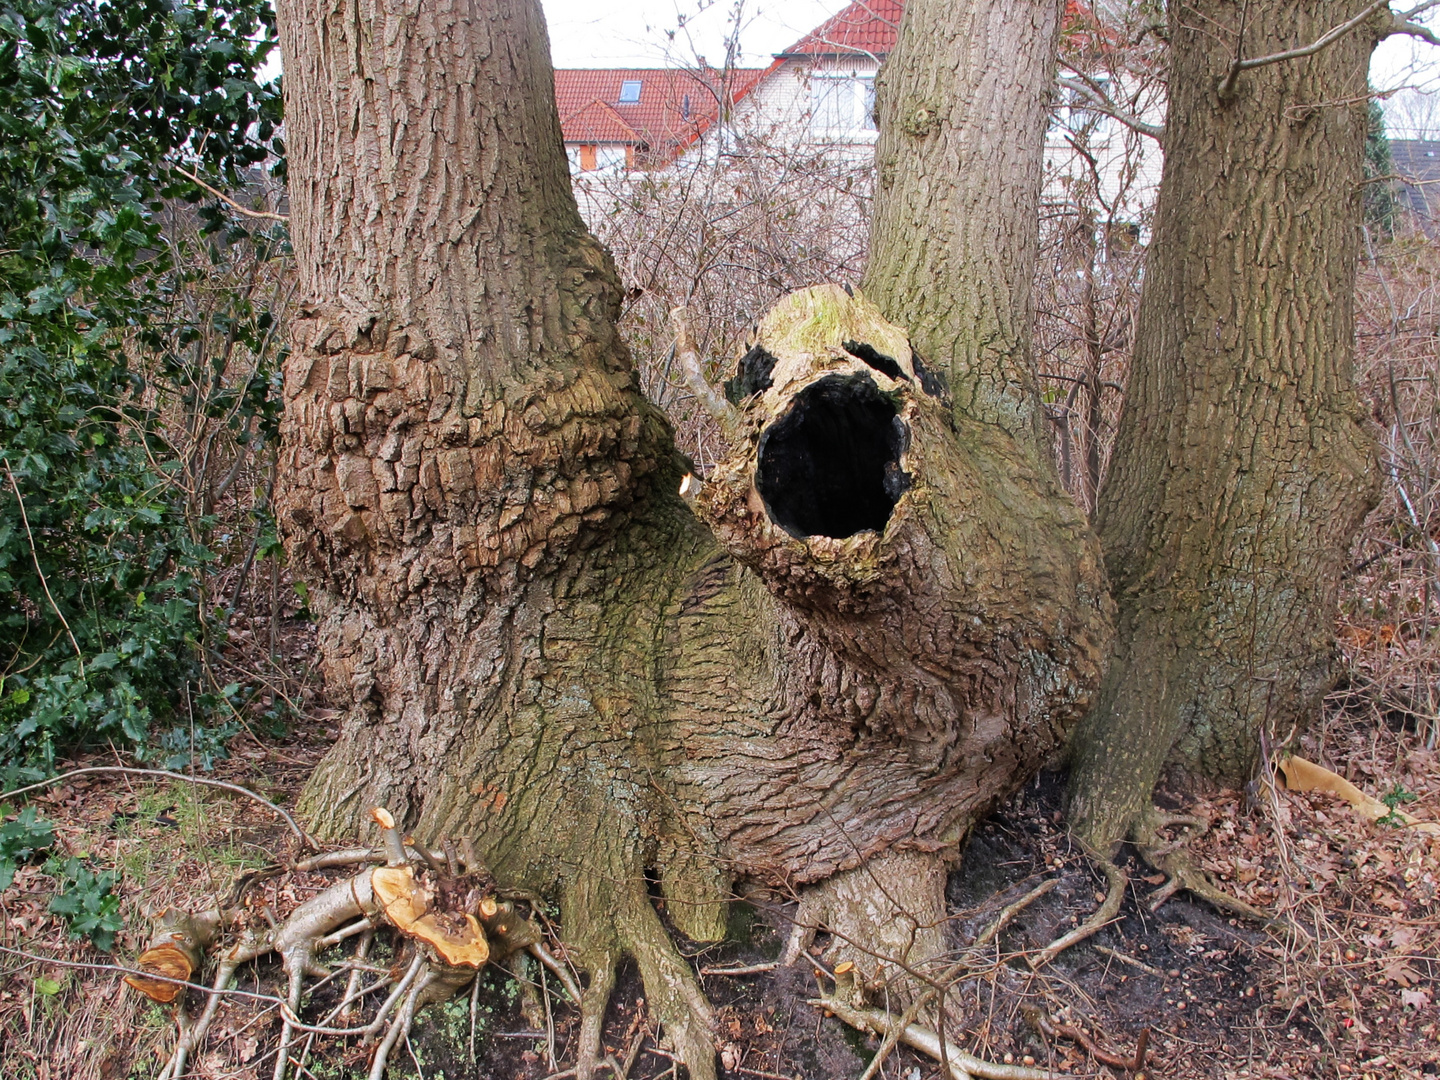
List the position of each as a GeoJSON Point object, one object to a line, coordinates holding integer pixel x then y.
{"type": "Point", "coordinates": [710, 400]}
{"type": "Point", "coordinates": [558, 969]}
{"type": "Point", "coordinates": [1093, 925]}
{"type": "Point", "coordinates": [743, 969]}
{"type": "Point", "coordinates": [1404, 23]}
{"type": "Point", "coordinates": [963, 1066]}
{"type": "Point", "coordinates": [265, 215]}
{"type": "Point", "coordinates": [35, 557]}
{"type": "Point", "coordinates": [1116, 954]}
{"type": "Point", "coordinates": [1102, 104]}
{"type": "Point", "coordinates": [304, 837]}
{"type": "Point", "coordinates": [1334, 34]}
{"type": "Point", "coordinates": [1008, 913]}
{"type": "Point", "coordinates": [1053, 1029]}
{"type": "Point", "coordinates": [121, 969]}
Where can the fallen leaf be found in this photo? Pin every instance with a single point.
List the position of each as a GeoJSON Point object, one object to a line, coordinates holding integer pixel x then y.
{"type": "Point", "coordinates": [1302, 775]}
{"type": "Point", "coordinates": [1415, 998]}
{"type": "Point", "coordinates": [1397, 971]}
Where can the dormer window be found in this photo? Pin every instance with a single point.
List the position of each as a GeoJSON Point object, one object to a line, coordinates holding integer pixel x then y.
{"type": "Point", "coordinates": [630, 91]}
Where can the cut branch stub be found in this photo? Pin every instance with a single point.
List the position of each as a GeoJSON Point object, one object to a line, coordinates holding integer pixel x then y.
{"type": "Point", "coordinates": [830, 466]}
{"type": "Point", "coordinates": [395, 854]}
{"type": "Point", "coordinates": [457, 938]}
{"type": "Point", "coordinates": [176, 951]}
{"type": "Point", "coordinates": [830, 397]}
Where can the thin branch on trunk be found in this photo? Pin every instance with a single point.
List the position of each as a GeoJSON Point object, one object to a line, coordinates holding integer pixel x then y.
{"type": "Point", "coordinates": [266, 215]}
{"type": "Point", "coordinates": [1102, 104]}
{"type": "Point", "coordinates": [1227, 85]}
{"type": "Point", "coordinates": [689, 356]}
{"type": "Point", "coordinates": [1404, 23]}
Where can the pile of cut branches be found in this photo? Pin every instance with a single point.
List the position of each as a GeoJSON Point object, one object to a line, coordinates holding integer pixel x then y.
{"type": "Point", "coordinates": [447, 916]}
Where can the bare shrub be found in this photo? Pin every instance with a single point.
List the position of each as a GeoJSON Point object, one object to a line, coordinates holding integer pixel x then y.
{"type": "Point", "coordinates": [725, 234]}
{"type": "Point", "coordinates": [1388, 617]}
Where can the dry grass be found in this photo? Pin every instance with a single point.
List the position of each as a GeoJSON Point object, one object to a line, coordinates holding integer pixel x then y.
{"type": "Point", "coordinates": [171, 844]}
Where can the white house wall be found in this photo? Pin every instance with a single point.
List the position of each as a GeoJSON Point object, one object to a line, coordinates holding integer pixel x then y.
{"type": "Point", "coordinates": [777, 113]}
{"type": "Point", "coordinates": [779, 108]}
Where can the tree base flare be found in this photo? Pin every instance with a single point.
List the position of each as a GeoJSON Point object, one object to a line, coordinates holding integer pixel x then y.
{"type": "Point", "coordinates": [1167, 856]}
{"type": "Point", "coordinates": [1171, 858]}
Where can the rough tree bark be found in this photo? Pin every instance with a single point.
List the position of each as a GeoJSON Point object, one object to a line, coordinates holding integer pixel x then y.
{"type": "Point", "coordinates": [874, 622]}
{"type": "Point", "coordinates": [963, 105]}
{"type": "Point", "coordinates": [1242, 468]}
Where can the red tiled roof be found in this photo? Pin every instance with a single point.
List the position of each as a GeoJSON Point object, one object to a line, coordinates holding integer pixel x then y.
{"type": "Point", "coordinates": [597, 122]}
{"type": "Point", "coordinates": [866, 26]}
{"type": "Point", "coordinates": [675, 106]}
{"type": "Point", "coordinates": [872, 27]}
{"type": "Point", "coordinates": [1084, 36]}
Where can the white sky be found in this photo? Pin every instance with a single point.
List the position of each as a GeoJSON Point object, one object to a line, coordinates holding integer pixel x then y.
{"type": "Point", "coordinates": [652, 33]}
{"type": "Point", "coordinates": [645, 33]}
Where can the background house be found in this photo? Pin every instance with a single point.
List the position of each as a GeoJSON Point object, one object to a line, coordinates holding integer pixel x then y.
{"type": "Point", "coordinates": [819, 95]}
{"type": "Point", "coordinates": [642, 118]}
{"type": "Point", "coordinates": [1417, 164]}
{"type": "Point", "coordinates": [818, 92]}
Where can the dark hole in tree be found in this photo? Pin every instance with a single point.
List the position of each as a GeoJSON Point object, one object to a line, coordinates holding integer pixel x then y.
{"type": "Point", "coordinates": [886, 365]}
{"type": "Point", "coordinates": [831, 465]}
{"type": "Point", "coordinates": [932, 382]}
{"type": "Point", "coordinates": [751, 376]}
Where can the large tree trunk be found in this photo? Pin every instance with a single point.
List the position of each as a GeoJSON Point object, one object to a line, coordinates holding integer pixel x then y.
{"type": "Point", "coordinates": [964, 102]}
{"type": "Point", "coordinates": [1243, 467]}
{"type": "Point", "coordinates": [536, 642]}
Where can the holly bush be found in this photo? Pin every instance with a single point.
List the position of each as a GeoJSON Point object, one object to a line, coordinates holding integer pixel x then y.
{"type": "Point", "coordinates": [105, 357]}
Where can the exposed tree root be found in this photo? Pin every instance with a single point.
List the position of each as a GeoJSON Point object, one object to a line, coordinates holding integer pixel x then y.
{"type": "Point", "coordinates": [849, 1003]}
{"type": "Point", "coordinates": [1106, 913]}
{"type": "Point", "coordinates": [608, 915]}
{"type": "Point", "coordinates": [1171, 858]}
{"type": "Point", "coordinates": [1043, 1023]}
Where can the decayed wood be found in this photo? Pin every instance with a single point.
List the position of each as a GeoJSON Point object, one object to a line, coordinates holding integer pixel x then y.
{"type": "Point", "coordinates": [457, 938]}
{"type": "Point", "coordinates": [451, 915]}
{"type": "Point", "coordinates": [927, 665]}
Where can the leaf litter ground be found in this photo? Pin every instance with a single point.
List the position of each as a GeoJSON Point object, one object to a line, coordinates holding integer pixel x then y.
{"type": "Point", "coordinates": [1349, 988]}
